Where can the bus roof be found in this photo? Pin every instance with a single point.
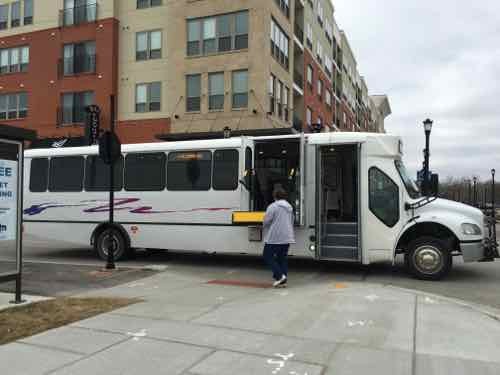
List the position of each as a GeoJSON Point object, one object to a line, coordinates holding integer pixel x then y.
{"type": "Point", "coordinates": [236, 142]}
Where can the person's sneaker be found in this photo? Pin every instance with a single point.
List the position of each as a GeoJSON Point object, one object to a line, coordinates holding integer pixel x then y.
{"type": "Point", "coordinates": [280, 282]}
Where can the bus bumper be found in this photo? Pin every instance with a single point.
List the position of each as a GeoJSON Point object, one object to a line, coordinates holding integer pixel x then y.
{"type": "Point", "coordinates": [478, 251]}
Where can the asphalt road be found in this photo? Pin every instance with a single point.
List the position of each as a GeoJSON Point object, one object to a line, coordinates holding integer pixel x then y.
{"type": "Point", "coordinates": [476, 282]}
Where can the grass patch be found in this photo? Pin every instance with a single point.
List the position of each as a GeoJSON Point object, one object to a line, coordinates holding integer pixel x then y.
{"type": "Point", "coordinates": [25, 321]}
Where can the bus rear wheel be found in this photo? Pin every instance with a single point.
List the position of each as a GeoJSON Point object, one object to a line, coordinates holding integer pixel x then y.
{"type": "Point", "coordinates": [106, 239]}
{"type": "Point", "coordinates": [428, 258]}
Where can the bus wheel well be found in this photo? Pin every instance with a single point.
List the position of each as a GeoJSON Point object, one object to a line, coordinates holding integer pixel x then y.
{"type": "Point", "coordinates": [102, 227]}
{"type": "Point", "coordinates": [431, 230]}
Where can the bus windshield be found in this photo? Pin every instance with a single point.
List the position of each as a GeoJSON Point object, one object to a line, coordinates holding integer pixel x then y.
{"type": "Point", "coordinates": [410, 185]}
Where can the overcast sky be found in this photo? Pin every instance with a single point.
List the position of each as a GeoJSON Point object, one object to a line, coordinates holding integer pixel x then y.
{"type": "Point", "coordinates": [437, 59]}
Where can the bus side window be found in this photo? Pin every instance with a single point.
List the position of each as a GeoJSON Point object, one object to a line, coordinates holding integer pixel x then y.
{"type": "Point", "coordinates": [66, 174]}
{"type": "Point", "coordinates": [225, 175]}
{"type": "Point", "coordinates": [39, 175]}
{"type": "Point", "coordinates": [97, 174]}
{"type": "Point", "coordinates": [384, 197]}
{"type": "Point", "coordinates": [189, 171]}
{"type": "Point", "coordinates": [145, 172]}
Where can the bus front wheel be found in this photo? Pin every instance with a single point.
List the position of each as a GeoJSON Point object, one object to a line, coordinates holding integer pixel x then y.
{"type": "Point", "coordinates": [111, 238]}
{"type": "Point", "coordinates": [428, 258]}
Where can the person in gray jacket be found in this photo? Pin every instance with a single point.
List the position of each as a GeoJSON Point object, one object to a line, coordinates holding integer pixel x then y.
{"type": "Point", "coordinates": [278, 235]}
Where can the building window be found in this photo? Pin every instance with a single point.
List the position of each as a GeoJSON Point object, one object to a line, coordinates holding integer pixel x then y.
{"type": "Point", "coordinates": [216, 91]}
{"type": "Point", "coordinates": [286, 95]}
{"type": "Point", "coordinates": [320, 12]}
{"type": "Point", "coordinates": [141, 4]}
{"type": "Point", "coordinates": [383, 197]}
{"type": "Point", "coordinates": [13, 60]}
{"type": "Point", "coordinates": [279, 44]}
{"type": "Point", "coordinates": [74, 106]}
{"type": "Point", "coordinates": [309, 117]}
{"type": "Point", "coordinates": [148, 97]}
{"type": "Point", "coordinates": [225, 174]}
{"type": "Point", "coordinates": [4, 16]}
{"type": "Point", "coordinates": [15, 14]}
{"type": "Point", "coordinates": [79, 58]}
{"type": "Point", "coordinates": [77, 12]}
{"type": "Point", "coordinates": [188, 171]}
{"type": "Point", "coordinates": [310, 76]}
{"type": "Point", "coordinates": [328, 98]}
{"type": "Point", "coordinates": [319, 52]}
{"type": "Point", "coordinates": [217, 34]}
{"type": "Point", "coordinates": [13, 106]}
{"type": "Point", "coordinates": [320, 88]}
{"type": "Point", "coordinates": [97, 174]}
{"type": "Point", "coordinates": [284, 6]}
{"type": "Point", "coordinates": [309, 36]}
{"type": "Point", "coordinates": [272, 94]}
{"type": "Point", "coordinates": [279, 93]}
{"type": "Point", "coordinates": [66, 174]}
{"type": "Point", "coordinates": [193, 88]}
{"type": "Point", "coordinates": [145, 172]}
{"type": "Point", "coordinates": [28, 12]}
{"type": "Point", "coordinates": [148, 45]}
{"type": "Point", "coordinates": [240, 89]}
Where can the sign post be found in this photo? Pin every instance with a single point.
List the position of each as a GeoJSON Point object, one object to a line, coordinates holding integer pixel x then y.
{"type": "Point", "coordinates": [11, 204]}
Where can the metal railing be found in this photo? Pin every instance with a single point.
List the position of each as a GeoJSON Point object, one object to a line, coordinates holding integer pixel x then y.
{"type": "Point", "coordinates": [70, 66]}
{"type": "Point", "coordinates": [78, 15]}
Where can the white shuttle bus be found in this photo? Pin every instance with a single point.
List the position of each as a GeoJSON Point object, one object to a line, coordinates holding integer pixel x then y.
{"type": "Point", "coordinates": [353, 198]}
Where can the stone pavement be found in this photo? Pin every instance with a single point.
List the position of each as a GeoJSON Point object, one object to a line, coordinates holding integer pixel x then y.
{"type": "Point", "coordinates": [317, 325]}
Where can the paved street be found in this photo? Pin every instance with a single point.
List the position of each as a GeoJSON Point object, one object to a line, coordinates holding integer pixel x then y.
{"type": "Point", "coordinates": [477, 283]}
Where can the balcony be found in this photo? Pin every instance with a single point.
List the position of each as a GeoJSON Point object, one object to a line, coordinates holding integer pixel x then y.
{"type": "Point", "coordinates": [82, 64]}
{"type": "Point", "coordinates": [78, 15]}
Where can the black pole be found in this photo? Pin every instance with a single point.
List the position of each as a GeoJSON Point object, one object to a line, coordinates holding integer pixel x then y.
{"type": "Point", "coordinates": [475, 192]}
{"type": "Point", "coordinates": [493, 204]}
{"type": "Point", "coordinates": [110, 265]}
{"type": "Point", "coordinates": [426, 172]}
{"type": "Point", "coordinates": [470, 191]}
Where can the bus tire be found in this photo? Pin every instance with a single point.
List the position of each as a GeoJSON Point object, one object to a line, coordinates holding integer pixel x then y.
{"type": "Point", "coordinates": [428, 258]}
{"type": "Point", "coordinates": [120, 244]}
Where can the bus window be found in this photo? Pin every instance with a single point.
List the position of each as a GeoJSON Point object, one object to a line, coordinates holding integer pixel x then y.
{"type": "Point", "coordinates": [145, 172]}
{"type": "Point", "coordinates": [66, 174]}
{"type": "Point", "coordinates": [39, 175]}
{"type": "Point", "coordinates": [189, 170]}
{"type": "Point", "coordinates": [225, 176]}
{"type": "Point", "coordinates": [97, 174]}
{"type": "Point", "coordinates": [384, 197]}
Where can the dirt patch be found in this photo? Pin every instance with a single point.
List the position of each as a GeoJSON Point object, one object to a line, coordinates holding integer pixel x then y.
{"type": "Point", "coordinates": [25, 321]}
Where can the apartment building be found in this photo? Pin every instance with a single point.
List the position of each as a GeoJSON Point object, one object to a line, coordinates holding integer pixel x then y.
{"type": "Point", "coordinates": [176, 68]}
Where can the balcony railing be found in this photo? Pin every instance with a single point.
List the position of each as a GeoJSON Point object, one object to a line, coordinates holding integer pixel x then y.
{"type": "Point", "coordinates": [78, 15]}
{"type": "Point", "coordinates": [299, 33]}
{"type": "Point", "coordinates": [70, 66]}
{"type": "Point", "coordinates": [298, 79]}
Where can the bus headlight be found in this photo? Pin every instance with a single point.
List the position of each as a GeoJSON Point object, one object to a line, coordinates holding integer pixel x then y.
{"type": "Point", "coordinates": [471, 229]}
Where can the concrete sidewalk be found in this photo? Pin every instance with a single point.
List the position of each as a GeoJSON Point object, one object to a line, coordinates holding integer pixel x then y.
{"type": "Point", "coordinates": [6, 298]}
{"type": "Point", "coordinates": [315, 326]}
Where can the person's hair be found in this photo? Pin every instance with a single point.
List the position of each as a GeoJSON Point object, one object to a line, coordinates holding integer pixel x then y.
{"type": "Point", "coordinates": [280, 193]}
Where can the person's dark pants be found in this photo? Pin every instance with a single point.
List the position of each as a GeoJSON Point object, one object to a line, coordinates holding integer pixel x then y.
{"type": "Point", "coordinates": [276, 258]}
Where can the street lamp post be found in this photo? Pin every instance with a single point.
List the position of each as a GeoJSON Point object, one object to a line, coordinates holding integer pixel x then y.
{"type": "Point", "coordinates": [427, 128]}
{"type": "Point", "coordinates": [493, 171]}
{"type": "Point", "coordinates": [475, 191]}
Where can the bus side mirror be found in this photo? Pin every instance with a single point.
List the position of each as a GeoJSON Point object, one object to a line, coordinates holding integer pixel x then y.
{"type": "Point", "coordinates": [434, 188]}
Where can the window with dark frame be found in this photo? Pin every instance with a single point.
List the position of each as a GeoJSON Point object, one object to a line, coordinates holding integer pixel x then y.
{"type": "Point", "coordinates": [286, 96]}
{"type": "Point", "coordinates": [14, 60]}
{"type": "Point", "coordinates": [15, 14]}
{"type": "Point", "coordinates": [148, 97]}
{"type": "Point", "coordinates": [142, 4]}
{"type": "Point", "coordinates": [28, 12]}
{"type": "Point", "coordinates": [240, 89]}
{"type": "Point", "coordinates": [310, 74]}
{"type": "Point", "coordinates": [66, 174]}
{"type": "Point", "coordinates": [280, 44]}
{"type": "Point", "coordinates": [148, 45]}
{"type": "Point", "coordinates": [217, 34]}
{"type": "Point", "coordinates": [13, 106]}
{"type": "Point", "coordinates": [225, 171]}
{"type": "Point", "coordinates": [97, 174]}
{"type": "Point", "coordinates": [39, 175]}
{"type": "Point", "coordinates": [193, 93]}
{"type": "Point", "coordinates": [145, 171]}
{"type": "Point", "coordinates": [272, 94]}
{"type": "Point", "coordinates": [216, 91]}
{"type": "Point", "coordinates": [383, 197]}
{"type": "Point", "coordinates": [4, 16]}
{"type": "Point", "coordinates": [79, 58]}
{"type": "Point", "coordinates": [74, 106]}
{"type": "Point", "coordinates": [189, 171]}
